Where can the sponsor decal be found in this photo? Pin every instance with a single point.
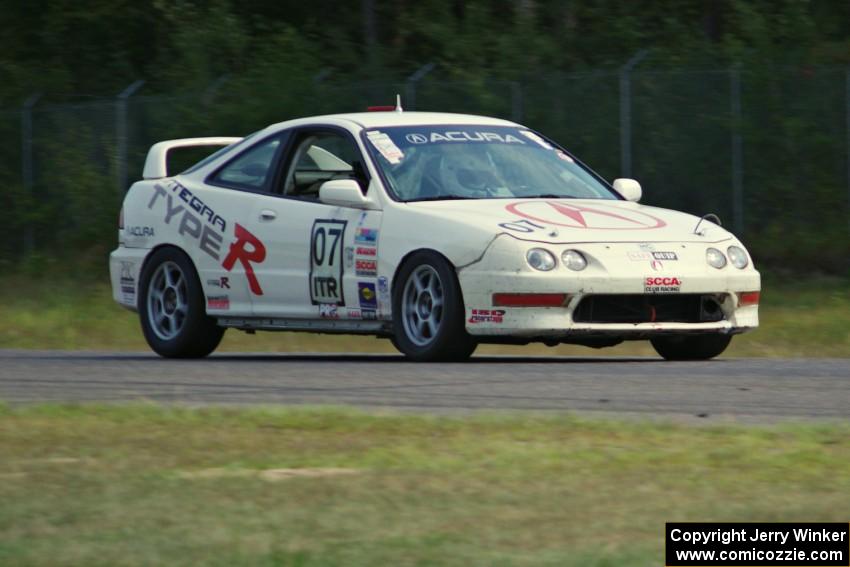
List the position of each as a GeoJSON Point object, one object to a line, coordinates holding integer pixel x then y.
{"type": "Point", "coordinates": [140, 231]}
{"type": "Point", "coordinates": [656, 284]}
{"type": "Point", "coordinates": [366, 268]}
{"type": "Point", "coordinates": [219, 302]}
{"type": "Point", "coordinates": [535, 138]}
{"type": "Point", "coordinates": [647, 253]}
{"type": "Point", "coordinates": [656, 265]}
{"type": "Point", "coordinates": [127, 282]}
{"type": "Point", "coordinates": [384, 286]}
{"type": "Point", "coordinates": [487, 316]}
{"type": "Point", "coordinates": [326, 261]}
{"type": "Point", "coordinates": [384, 301]}
{"type": "Point", "coordinates": [196, 221]}
{"type": "Point", "coordinates": [646, 246]}
{"type": "Point", "coordinates": [564, 156]}
{"type": "Point", "coordinates": [385, 146]}
{"type": "Point", "coordinates": [366, 251]}
{"type": "Point", "coordinates": [366, 235]}
{"type": "Point", "coordinates": [577, 216]}
{"type": "Point", "coordinates": [367, 294]}
{"type": "Point", "coordinates": [328, 311]}
{"type": "Point", "coordinates": [223, 282]}
{"type": "Point", "coordinates": [462, 136]}
{"type": "Point", "coordinates": [365, 314]}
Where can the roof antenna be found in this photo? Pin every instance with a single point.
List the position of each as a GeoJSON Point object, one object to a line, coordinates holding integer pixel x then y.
{"type": "Point", "coordinates": [398, 107]}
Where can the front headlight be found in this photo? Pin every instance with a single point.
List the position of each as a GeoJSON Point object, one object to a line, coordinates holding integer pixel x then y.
{"type": "Point", "coordinates": [540, 259]}
{"type": "Point", "coordinates": [738, 257]}
{"type": "Point", "coordinates": [574, 260]}
{"type": "Point", "coordinates": [715, 258]}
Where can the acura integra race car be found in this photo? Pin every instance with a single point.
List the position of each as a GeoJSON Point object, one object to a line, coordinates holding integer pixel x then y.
{"type": "Point", "coordinates": [437, 231]}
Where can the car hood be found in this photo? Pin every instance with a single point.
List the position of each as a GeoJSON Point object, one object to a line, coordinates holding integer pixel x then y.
{"type": "Point", "coordinates": [575, 220]}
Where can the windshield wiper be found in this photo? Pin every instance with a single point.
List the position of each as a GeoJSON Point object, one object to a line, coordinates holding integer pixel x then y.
{"type": "Point", "coordinates": [440, 198]}
{"type": "Point", "coordinates": [549, 196]}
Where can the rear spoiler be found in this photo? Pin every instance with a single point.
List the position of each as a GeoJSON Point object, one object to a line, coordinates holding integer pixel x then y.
{"type": "Point", "coordinates": [156, 166]}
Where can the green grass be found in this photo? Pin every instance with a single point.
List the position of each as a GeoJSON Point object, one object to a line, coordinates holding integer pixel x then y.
{"type": "Point", "coordinates": [810, 318]}
{"type": "Point", "coordinates": [142, 485]}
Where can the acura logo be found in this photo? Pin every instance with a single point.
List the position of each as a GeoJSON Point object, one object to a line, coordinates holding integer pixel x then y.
{"type": "Point", "coordinates": [600, 216]}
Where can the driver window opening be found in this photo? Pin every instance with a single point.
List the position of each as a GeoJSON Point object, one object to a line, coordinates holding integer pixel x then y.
{"type": "Point", "coordinates": [320, 157]}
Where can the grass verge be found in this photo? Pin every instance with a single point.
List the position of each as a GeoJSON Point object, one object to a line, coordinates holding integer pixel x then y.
{"type": "Point", "coordinates": [141, 485]}
{"type": "Point", "coordinates": [809, 318]}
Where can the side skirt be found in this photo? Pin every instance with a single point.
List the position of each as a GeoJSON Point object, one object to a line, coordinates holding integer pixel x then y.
{"type": "Point", "coordinates": [346, 326]}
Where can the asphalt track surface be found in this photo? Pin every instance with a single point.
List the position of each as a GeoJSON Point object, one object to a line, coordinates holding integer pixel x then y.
{"type": "Point", "coordinates": [741, 390]}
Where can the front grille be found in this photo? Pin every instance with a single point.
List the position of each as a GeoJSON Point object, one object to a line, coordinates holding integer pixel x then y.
{"type": "Point", "coordinates": [641, 308]}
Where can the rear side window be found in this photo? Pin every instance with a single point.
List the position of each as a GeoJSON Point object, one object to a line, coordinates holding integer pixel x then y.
{"type": "Point", "coordinates": [252, 168]}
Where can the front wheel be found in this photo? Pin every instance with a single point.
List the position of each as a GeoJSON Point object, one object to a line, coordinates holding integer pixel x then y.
{"type": "Point", "coordinates": [171, 308]}
{"type": "Point", "coordinates": [428, 311]}
{"type": "Point", "coordinates": [691, 347]}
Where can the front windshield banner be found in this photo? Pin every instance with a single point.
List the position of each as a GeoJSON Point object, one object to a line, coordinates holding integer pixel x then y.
{"type": "Point", "coordinates": [428, 163]}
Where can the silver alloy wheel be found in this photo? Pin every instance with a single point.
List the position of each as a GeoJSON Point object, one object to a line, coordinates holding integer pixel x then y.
{"type": "Point", "coordinates": [167, 300]}
{"type": "Point", "coordinates": [422, 305]}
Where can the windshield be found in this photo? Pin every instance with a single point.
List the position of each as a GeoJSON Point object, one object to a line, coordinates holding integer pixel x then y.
{"type": "Point", "coordinates": [424, 163]}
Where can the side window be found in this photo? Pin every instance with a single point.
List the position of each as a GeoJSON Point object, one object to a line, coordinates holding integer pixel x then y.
{"type": "Point", "coordinates": [318, 157]}
{"type": "Point", "coordinates": [251, 169]}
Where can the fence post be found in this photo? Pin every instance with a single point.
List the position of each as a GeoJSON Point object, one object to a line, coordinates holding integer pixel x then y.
{"type": "Point", "coordinates": [212, 90]}
{"type": "Point", "coordinates": [516, 101]}
{"type": "Point", "coordinates": [847, 102]}
{"type": "Point", "coordinates": [626, 112]}
{"type": "Point", "coordinates": [737, 150]}
{"type": "Point", "coordinates": [27, 176]}
{"type": "Point", "coordinates": [410, 89]}
{"type": "Point", "coordinates": [121, 135]}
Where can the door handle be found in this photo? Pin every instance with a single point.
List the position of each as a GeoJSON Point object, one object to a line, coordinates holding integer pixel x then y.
{"type": "Point", "coordinates": [268, 215]}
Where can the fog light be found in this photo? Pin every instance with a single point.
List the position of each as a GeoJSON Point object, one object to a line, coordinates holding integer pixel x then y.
{"type": "Point", "coordinates": [530, 299]}
{"type": "Point", "coordinates": [748, 298]}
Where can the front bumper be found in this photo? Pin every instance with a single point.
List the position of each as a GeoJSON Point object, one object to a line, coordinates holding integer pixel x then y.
{"type": "Point", "coordinates": [612, 270]}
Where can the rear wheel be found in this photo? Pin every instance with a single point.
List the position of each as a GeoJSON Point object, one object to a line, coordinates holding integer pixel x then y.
{"type": "Point", "coordinates": [428, 311]}
{"type": "Point", "coordinates": [171, 308]}
{"type": "Point", "coordinates": [691, 347]}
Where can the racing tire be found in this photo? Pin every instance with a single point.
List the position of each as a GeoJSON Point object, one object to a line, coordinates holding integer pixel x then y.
{"type": "Point", "coordinates": [428, 311]}
{"type": "Point", "coordinates": [691, 347]}
{"type": "Point", "coordinates": [171, 308]}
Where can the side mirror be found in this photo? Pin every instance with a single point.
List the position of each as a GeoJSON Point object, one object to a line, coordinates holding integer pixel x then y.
{"type": "Point", "coordinates": [629, 189]}
{"type": "Point", "coordinates": [343, 193]}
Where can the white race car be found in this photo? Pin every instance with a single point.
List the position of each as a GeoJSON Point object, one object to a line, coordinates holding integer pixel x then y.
{"type": "Point", "coordinates": [437, 231]}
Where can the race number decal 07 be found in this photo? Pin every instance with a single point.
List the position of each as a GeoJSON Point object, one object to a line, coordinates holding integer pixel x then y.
{"type": "Point", "coordinates": [326, 262]}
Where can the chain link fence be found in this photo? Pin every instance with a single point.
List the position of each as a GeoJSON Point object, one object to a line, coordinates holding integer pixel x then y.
{"type": "Point", "coordinates": [767, 150]}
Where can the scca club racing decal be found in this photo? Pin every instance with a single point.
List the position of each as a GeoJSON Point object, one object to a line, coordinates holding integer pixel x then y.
{"type": "Point", "coordinates": [662, 285]}
{"type": "Point", "coordinates": [197, 221]}
{"type": "Point", "coordinates": [326, 262]}
{"type": "Point", "coordinates": [578, 216]}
